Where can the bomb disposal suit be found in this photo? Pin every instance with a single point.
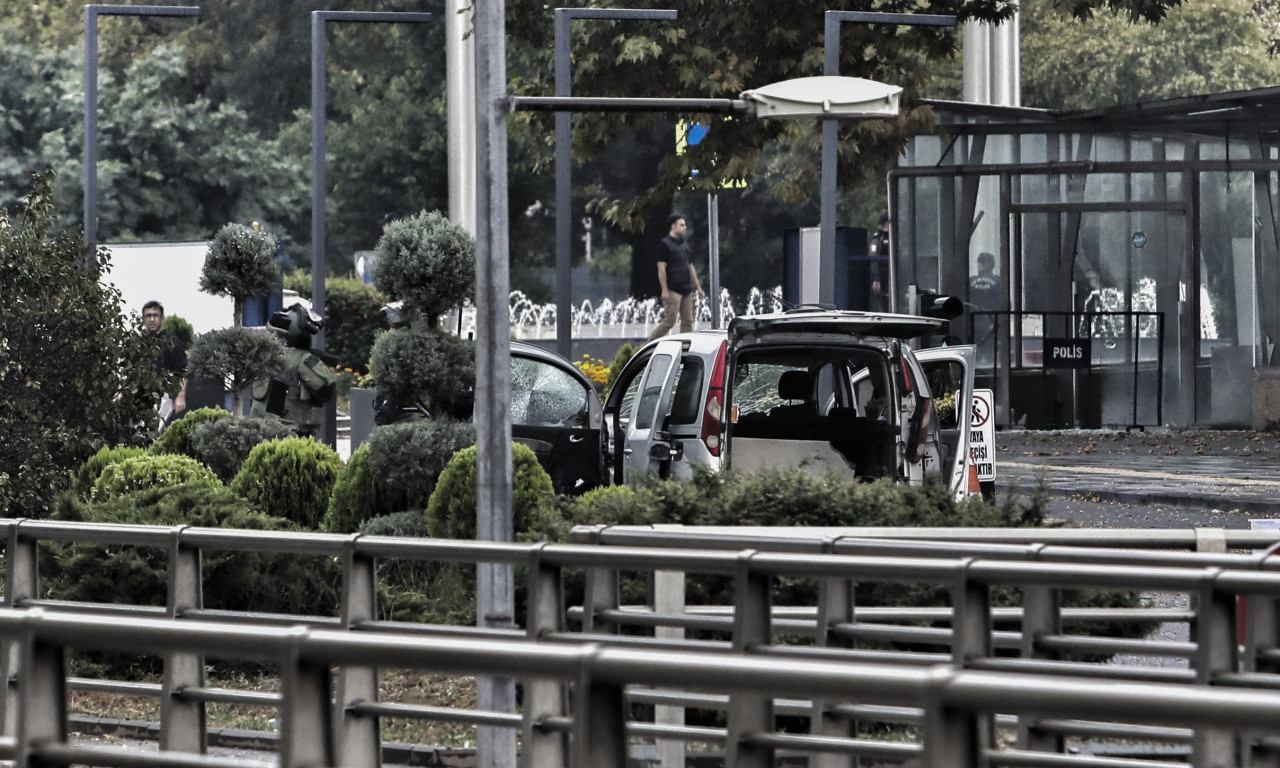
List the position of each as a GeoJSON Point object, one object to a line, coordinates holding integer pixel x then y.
{"type": "Point", "coordinates": [300, 390]}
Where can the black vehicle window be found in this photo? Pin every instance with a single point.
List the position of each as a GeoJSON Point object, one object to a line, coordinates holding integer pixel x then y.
{"type": "Point", "coordinates": [654, 378]}
{"type": "Point", "coordinates": [688, 391]}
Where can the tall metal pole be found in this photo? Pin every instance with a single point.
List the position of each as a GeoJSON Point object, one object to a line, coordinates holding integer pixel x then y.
{"type": "Point", "coordinates": [830, 161]}
{"type": "Point", "coordinates": [495, 594]}
{"type": "Point", "coordinates": [713, 257]}
{"type": "Point", "coordinates": [564, 159]}
{"type": "Point", "coordinates": [91, 14]}
{"type": "Point", "coordinates": [319, 70]}
{"type": "Point", "coordinates": [460, 54]}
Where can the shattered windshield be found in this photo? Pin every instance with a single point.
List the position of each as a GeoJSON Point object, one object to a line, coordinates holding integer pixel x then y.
{"type": "Point", "coordinates": [543, 395]}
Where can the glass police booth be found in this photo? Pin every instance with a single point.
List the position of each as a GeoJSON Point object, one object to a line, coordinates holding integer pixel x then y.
{"type": "Point", "coordinates": [1119, 266]}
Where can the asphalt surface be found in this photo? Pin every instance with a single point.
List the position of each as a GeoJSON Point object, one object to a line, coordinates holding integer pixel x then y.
{"type": "Point", "coordinates": [1153, 479]}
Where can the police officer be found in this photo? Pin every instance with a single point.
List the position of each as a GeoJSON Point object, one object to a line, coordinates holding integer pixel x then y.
{"type": "Point", "coordinates": [300, 390]}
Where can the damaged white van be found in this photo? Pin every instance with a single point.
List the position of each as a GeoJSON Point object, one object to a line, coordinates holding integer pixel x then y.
{"type": "Point", "coordinates": [812, 389]}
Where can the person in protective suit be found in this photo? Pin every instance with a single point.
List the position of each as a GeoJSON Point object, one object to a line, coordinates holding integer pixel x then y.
{"type": "Point", "coordinates": [300, 390]}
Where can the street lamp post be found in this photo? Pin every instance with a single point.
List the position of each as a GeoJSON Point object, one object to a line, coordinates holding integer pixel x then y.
{"type": "Point", "coordinates": [319, 266]}
{"type": "Point", "coordinates": [831, 67]}
{"type": "Point", "coordinates": [91, 14]}
{"type": "Point", "coordinates": [564, 159]}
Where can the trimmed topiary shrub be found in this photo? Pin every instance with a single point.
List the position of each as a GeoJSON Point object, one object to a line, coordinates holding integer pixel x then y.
{"type": "Point", "coordinates": [88, 473]}
{"type": "Point", "coordinates": [290, 478]}
{"type": "Point", "coordinates": [223, 444]}
{"type": "Point", "coordinates": [240, 264]}
{"type": "Point", "coordinates": [451, 512]}
{"type": "Point", "coordinates": [428, 262]}
{"type": "Point", "coordinates": [177, 437]}
{"type": "Point", "coordinates": [407, 459]}
{"type": "Point", "coordinates": [275, 583]}
{"type": "Point", "coordinates": [437, 368]}
{"type": "Point", "coordinates": [144, 472]}
{"type": "Point", "coordinates": [354, 500]}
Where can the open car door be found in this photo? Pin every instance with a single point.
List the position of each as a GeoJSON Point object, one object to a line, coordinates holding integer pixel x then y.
{"type": "Point", "coordinates": [949, 371]}
{"type": "Point", "coordinates": [635, 411]}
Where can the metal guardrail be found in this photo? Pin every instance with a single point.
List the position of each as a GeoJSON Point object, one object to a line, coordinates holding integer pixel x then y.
{"type": "Point", "coordinates": [593, 731]}
{"type": "Point", "coordinates": [970, 637]}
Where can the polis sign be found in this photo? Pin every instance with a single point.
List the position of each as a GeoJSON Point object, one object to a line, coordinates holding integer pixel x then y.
{"type": "Point", "coordinates": [1067, 352]}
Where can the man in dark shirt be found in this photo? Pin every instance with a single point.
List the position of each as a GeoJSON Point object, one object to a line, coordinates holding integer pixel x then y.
{"type": "Point", "coordinates": [678, 279]}
{"type": "Point", "coordinates": [171, 357]}
{"type": "Point", "coordinates": [878, 295]}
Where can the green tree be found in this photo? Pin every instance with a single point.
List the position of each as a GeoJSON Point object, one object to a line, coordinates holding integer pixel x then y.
{"type": "Point", "coordinates": [75, 375]}
{"type": "Point", "coordinates": [239, 265]}
{"type": "Point", "coordinates": [428, 262]}
{"type": "Point", "coordinates": [1202, 47]}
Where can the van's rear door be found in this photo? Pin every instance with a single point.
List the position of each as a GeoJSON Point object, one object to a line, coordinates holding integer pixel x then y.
{"type": "Point", "coordinates": [645, 451]}
{"type": "Point", "coordinates": [949, 371]}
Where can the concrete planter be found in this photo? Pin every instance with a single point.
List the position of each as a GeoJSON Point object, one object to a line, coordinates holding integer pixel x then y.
{"type": "Point", "coordinates": [361, 415]}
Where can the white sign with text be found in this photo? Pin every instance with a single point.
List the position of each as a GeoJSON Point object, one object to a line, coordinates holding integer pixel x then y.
{"type": "Point", "coordinates": [982, 434]}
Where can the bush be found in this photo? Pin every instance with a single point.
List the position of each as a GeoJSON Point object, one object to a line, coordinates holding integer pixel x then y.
{"type": "Point", "coordinates": [290, 478]}
{"type": "Point", "coordinates": [428, 262]}
{"type": "Point", "coordinates": [76, 372]}
{"type": "Point", "coordinates": [435, 367]}
{"type": "Point", "coordinates": [236, 356]}
{"type": "Point", "coordinates": [88, 473]}
{"type": "Point", "coordinates": [452, 510]}
{"type": "Point", "coordinates": [179, 329]}
{"type": "Point", "coordinates": [620, 360]}
{"type": "Point", "coordinates": [240, 264]}
{"type": "Point", "coordinates": [355, 494]}
{"type": "Point", "coordinates": [144, 472]}
{"type": "Point", "coordinates": [177, 437]}
{"type": "Point", "coordinates": [408, 459]}
{"type": "Point", "coordinates": [276, 583]}
{"type": "Point", "coordinates": [223, 444]}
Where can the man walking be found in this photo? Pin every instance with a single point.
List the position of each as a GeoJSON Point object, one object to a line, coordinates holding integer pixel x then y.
{"type": "Point", "coordinates": [677, 277]}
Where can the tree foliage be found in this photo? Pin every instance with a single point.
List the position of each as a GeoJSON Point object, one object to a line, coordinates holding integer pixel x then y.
{"type": "Point", "coordinates": [428, 262]}
{"type": "Point", "coordinates": [239, 265]}
{"type": "Point", "coordinates": [75, 373]}
{"type": "Point", "coordinates": [1204, 46]}
{"type": "Point", "coordinates": [236, 356]}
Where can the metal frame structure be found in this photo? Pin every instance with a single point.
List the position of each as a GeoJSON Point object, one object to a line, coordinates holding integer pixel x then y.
{"type": "Point", "coordinates": [319, 80]}
{"type": "Point", "coordinates": [938, 207]}
{"type": "Point", "coordinates": [976, 639]}
{"type": "Point", "coordinates": [91, 14]}
{"type": "Point", "coordinates": [564, 157]}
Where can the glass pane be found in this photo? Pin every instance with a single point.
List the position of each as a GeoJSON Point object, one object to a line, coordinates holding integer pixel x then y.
{"type": "Point", "coordinates": [543, 395]}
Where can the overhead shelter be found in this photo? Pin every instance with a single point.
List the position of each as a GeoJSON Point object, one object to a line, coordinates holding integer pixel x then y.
{"type": "Point", "coordinates": [1144, 234]}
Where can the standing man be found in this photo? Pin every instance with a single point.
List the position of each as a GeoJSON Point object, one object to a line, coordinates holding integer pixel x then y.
{"type": "Point", "coordinates": [879, 250]}
{"type": "Point", "coordinates": [984, 296]}
{"type": "Point", "coordinates": [677, 277]}
{"type": "Point", "coordinates": [170, 361]}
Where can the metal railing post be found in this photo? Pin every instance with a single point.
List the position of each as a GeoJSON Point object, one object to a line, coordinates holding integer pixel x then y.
{"type": "Point", "coordinates": [42, 688]}
{"type": "Point", "coordinates": [599, 720]}
{"type": "Point", "coordinates": [543, 697]}
{"type": "Point", "coordinates": [835, 607]}
{"type": "Point", "coordinates": [749, 711]}
{"type": "Point", "coordinates": [182, 720]}
{"type": "Point", "coordinates": [1041, 617]}
{"type": "Point", "coordinates": [1216, 653]}
{"type": "Point", "coordinates": [950, 734]}
{"type": "Point", "coordinates": [601, 594]}
{"type": "Point", "coordinates": [358, 737]}
{"type": "Point", "coordinates": [971, 637]}
{"type": "Point", "coordinates": [305, 710]}
{"type": "Point", "coordinates": [21, 583]}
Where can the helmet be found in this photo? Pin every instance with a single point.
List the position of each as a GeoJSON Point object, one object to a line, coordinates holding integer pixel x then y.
{"type": "Point", "coordinates": [297, 323]}
{"type": "Point", "coordinates": [396, 315]}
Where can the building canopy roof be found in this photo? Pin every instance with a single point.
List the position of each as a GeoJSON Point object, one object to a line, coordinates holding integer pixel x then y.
{"type": "Point", "coordinates": [1221, 115]}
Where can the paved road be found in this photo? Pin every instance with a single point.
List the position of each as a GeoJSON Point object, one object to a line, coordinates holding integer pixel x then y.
{"type": "Point", "coordinates": [1229, 475]}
